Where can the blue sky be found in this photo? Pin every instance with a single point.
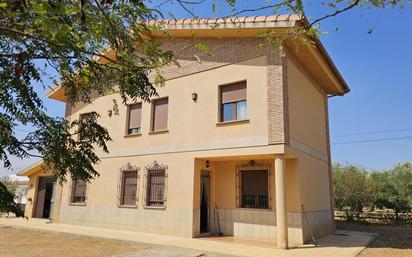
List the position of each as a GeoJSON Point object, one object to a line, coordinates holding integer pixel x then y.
{"type": "Point", "coordinates": [376, 66]}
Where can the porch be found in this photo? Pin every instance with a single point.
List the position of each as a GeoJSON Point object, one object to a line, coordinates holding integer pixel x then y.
{"type": "Point", "coordinates": [43, 192]}
{"type": "Point", "coordinates": [256, 197]}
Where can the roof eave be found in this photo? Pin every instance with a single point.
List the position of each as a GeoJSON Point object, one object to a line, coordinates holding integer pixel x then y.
{"type": "Point", "coordinates": [36, 167]}
{"type": "Point", "coordinates": [191, 27]}
{"type": "Point", "coordinates": [344, 86]}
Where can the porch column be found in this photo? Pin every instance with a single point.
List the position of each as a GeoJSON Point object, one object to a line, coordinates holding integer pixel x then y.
{"type": "Point", "coordinates": [281, 214]}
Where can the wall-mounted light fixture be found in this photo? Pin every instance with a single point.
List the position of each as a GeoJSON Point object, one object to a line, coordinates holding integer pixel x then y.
{"type": "Point", "coordinates": [207, 163]}
{"type": "Point", "coordinates": [110, 113]}
{"type": "Point", "coordinates": [194, 96]}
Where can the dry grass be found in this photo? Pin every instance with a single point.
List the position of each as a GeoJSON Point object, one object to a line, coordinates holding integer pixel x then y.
{"type": "Point", "coordinates": [393, 241]}
{"type": "Point", "coordinates": [20, 242]}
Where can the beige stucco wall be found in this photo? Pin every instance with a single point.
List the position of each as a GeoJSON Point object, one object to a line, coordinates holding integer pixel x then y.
{"type": "Point", "coordinates": [307, 123]}
{"type": "Point", "coordinates": [191, 125]}
{"type": "Point", "coordinates": [308, 143]}
{"type": "Point", "coordinates": [102, 209]}
{"type": "Point", "coordinates": [194, 136]}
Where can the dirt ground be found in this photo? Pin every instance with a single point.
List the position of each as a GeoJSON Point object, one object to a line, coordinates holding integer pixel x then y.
{"type": "Point", "coordinates": [393, 241]}
{"type": "Point", "coordinates": [19, 242]}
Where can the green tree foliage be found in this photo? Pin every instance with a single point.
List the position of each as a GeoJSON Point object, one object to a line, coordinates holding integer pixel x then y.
{"type": "Point", "coordinates": [70, 37]}
{"type": "Point", "coordinates": [355, 188]}
{"type": "Point", "coordinates": [350, 187]}
{"type": "Point", "coordinates": [10, 184]}
{"type": "Point", "coordinates": [393, 188]}
{"type": "Point", "coordinates": [7, 203]}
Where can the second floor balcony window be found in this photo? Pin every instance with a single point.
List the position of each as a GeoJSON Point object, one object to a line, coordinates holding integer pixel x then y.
{"type": "Point", "coordinates": [134, 119]}
{"type": "Point", "coordinates": [233, 102]}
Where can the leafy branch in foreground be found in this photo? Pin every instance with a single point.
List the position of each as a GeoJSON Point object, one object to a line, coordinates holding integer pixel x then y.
{"type": "Point", "coordinates": [91, 46]}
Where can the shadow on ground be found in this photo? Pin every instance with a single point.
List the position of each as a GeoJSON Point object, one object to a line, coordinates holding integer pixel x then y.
{"type": "Point", "coordinates": [392, 241]}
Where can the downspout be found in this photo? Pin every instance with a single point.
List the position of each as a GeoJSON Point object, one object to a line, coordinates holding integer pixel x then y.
{"type": "Point", "coordinates": [331, 198]}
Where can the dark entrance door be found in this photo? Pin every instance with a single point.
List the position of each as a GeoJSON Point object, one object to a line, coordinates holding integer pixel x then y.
{"type": "Point", "coordinates": [204, 202]}
{"type": "Point", "coordinates": [44, 197]}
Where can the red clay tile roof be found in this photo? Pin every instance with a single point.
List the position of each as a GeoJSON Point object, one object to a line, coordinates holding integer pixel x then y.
{"type": "Point", "coordinates": [227, 20]}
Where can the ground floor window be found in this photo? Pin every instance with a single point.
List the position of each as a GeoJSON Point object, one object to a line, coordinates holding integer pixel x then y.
{"type": "Point", "coordinates": [78, 191]}
{"type": "Point", "coordinates": [156, 188]}
{"type": "Point", "coordinates": [128, 192]}
{"type": "Point", "coordinates": [254, 188]}
{"type": "Point", "coordinates": [156, 184]}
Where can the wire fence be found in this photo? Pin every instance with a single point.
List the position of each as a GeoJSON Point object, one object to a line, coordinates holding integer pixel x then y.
{"type": "Point", "coordinates": [376, 217]}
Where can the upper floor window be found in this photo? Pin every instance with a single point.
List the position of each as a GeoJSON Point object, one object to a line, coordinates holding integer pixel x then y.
{"type": "Point", "coordinates": [84, 119]}
{"type": "Point", "coordinates": [134, 119]}
{"type": "Point", "coordinates": [159, 114]}
{"type": "Point", "coordinates": [78, 194]}
{"type": "Point", "coordinates": [233, 102]}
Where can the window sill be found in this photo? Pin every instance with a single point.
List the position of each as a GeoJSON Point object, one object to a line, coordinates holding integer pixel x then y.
{"type": "Point", "coordinates": [232, 122]}
{"type": "Point", "coordinates": [132, 135]}
{"type": "Point", "coordinates": [159, 132]}
{"type": "Point", "coordinates": [77, 204]}
{"type": "Point", "coordinates": [155, 207]}
{"type": "Point", "coordinates": [128, 206]}
{"type": "Point", "coordinates": [254, 209]}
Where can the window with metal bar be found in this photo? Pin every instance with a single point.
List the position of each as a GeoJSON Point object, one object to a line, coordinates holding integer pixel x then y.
{"type": "Point", "coordinates": [233, 102]}
{"type": "Point", "coordinates": [128, 188]}
{"type": "Point", "coordinates": [156, 187]}
{"type": "Point", "coordinates": [79, 191]}
{"type": "Point", "coordinates": [254, 189]}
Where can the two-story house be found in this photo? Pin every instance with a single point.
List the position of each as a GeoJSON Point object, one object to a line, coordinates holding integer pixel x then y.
{"type": "Point", "coordinates": [237, 143]}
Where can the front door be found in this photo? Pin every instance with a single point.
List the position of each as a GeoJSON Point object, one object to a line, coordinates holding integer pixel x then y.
{"type": "Point", "coordinates": [44, 197]}
{"type": "Point", "coordinates": [204, 202]}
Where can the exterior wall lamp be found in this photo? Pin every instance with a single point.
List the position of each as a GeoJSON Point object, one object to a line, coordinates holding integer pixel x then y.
{"type": "Point", "coordinates": [207, 164]}
{"type": "Point", "coordinates": [194, 97]}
